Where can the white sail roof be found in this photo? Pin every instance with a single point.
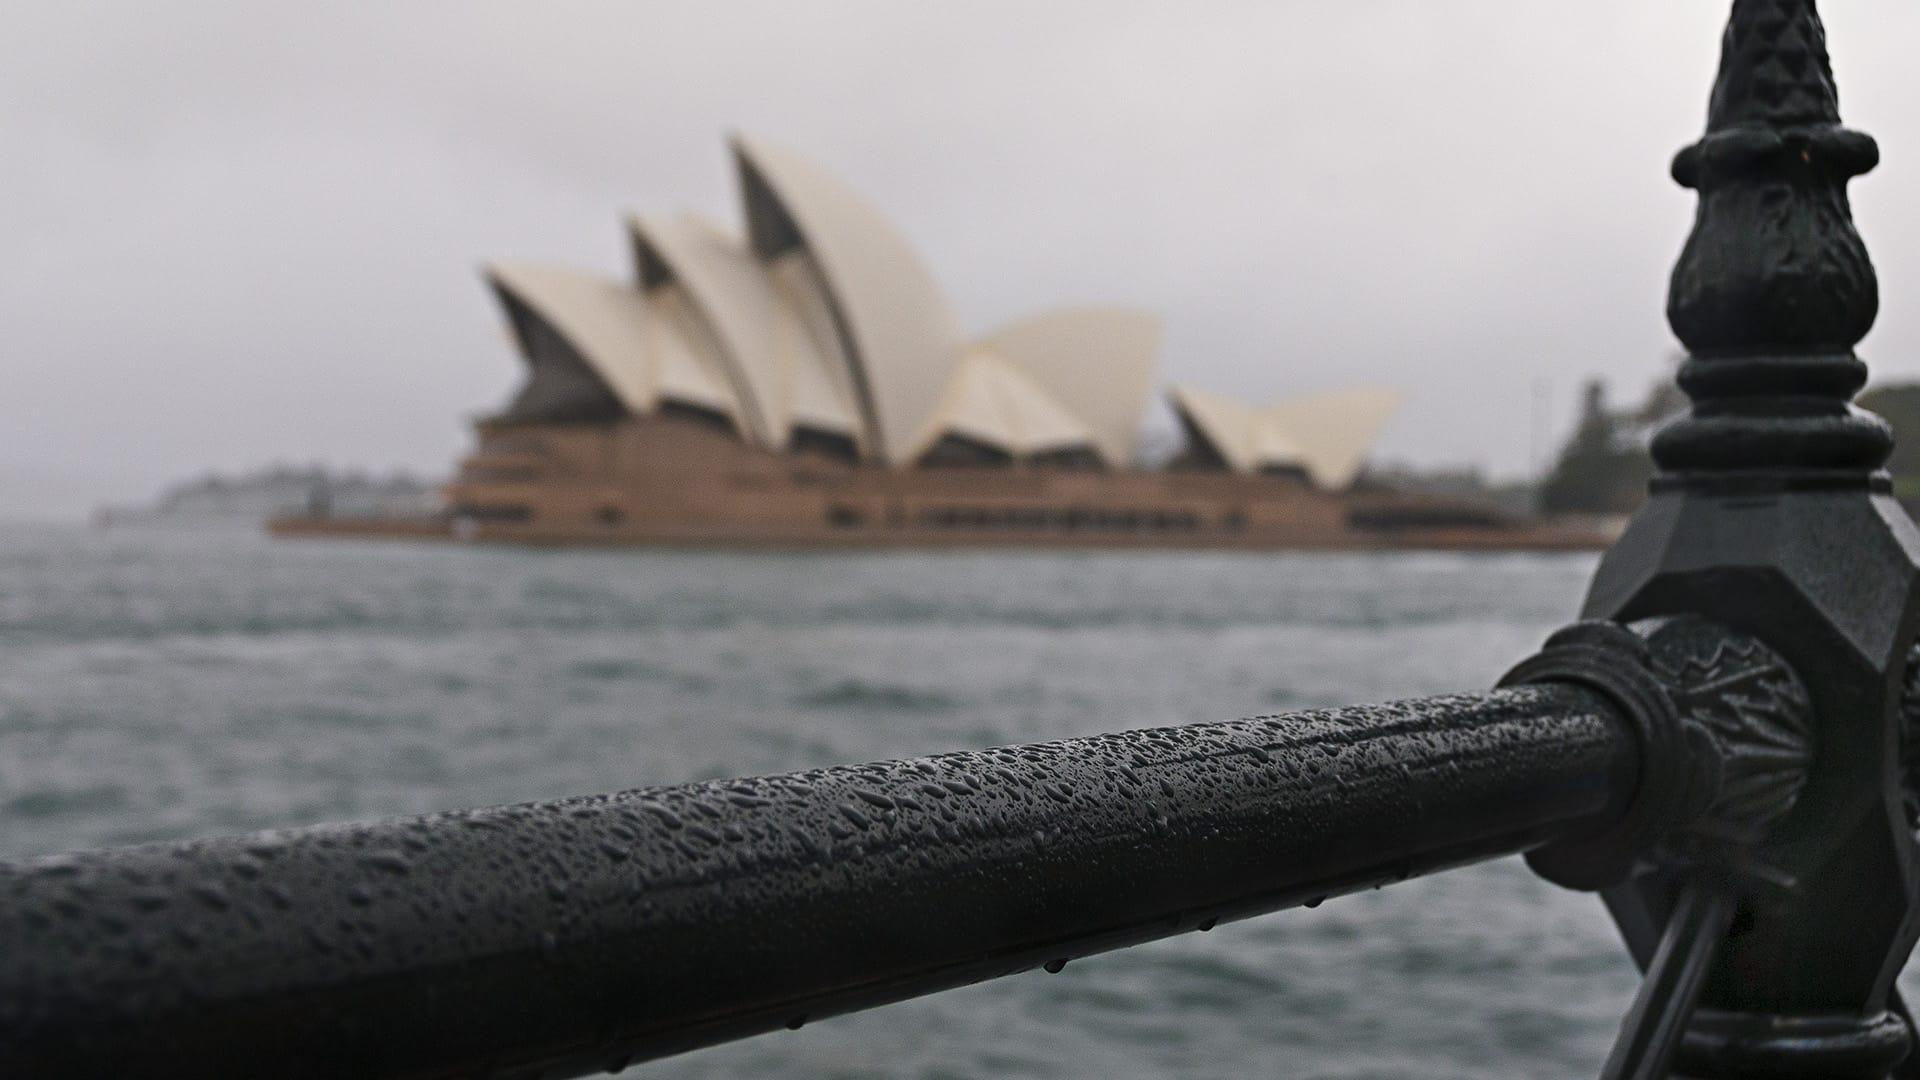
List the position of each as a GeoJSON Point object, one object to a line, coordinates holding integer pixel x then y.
{"type": "Point", "coordinates": [783, 380]}
{"type": "Point", "coordinates": [824, 322]}
{"type": "Point", "coordinates": [992, 401]}
{"type": "Point", "coordinates": [1326, 435]}
{"type": "Point", "coordinates": [644, 356]}
{"type": "Point", "coordinates": [1226, 425]}
{"type": "Point", "coordinates": [1098, 360]}
{"type": "Point", "coordinates": [676, 263]}
{"type": "Point", "coordinates": [687, 366]}
{"type": "Point", "coordinates": [901, 341]}
{"type": "Point", "coordinates": [1334, 431]}
{"type": "Point", "coordinates": [820, 380]}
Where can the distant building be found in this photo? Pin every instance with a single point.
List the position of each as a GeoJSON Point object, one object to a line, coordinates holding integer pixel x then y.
{"type": "Point", "coordinates": [807, 383]}
{"type": "Point", "coordinates": [822, 331]}
{"type": "Point", "coordinates": [250, 499]}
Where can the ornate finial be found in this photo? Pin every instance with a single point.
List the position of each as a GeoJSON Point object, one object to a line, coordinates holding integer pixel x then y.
{"type": "Point", "coordinates": [1774, 287]}
{"type": "Point", "coordinates": [1774, 70]}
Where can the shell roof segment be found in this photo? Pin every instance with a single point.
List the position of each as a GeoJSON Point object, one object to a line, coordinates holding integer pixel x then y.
{"type": "Point", "coordinates": [1327, 436]}
{"type": "Point", "coordinates": [784, 380]}
{"type": "Point", "coordinates": [1096, 361]}
{"type": "Point", "coordinates": [1334, 431]}
{"type": "Point", "coordinates": [901, 341]}
{"type": "Point", "coordinates": [644, 356]}
{"type": "Point", "coordinates": [992, 401]}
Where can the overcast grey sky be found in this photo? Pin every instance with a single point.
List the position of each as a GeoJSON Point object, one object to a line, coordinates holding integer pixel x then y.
{"type": "Point", "coordinates": [246, 232]}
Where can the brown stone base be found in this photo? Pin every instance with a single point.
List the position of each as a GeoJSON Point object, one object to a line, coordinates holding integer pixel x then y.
{"type": "Point", "coordinates": [672, 482]}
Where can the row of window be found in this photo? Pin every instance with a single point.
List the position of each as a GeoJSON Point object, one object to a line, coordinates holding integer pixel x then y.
{"type": "Point", "coordinates": [504, 513]}
{"type": "Point", "coordinates": [521, 513]}
{"type": "Point", "coordinates": [1065, 519]}
{"type": "Point", "coordinates": [842, 516]}
{"type": "Point", "coordinates": [501, 474]}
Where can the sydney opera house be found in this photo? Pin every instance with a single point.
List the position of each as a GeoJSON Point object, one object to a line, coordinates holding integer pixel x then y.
{"type": "Point", "coordinates": [807, 384]}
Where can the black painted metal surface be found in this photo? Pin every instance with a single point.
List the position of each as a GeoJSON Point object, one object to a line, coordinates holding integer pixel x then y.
{"type": "Point", "coordinates": [1725, 728]}
{"type": "Point", "coordinates": [1770, 515]}
{"type": "Point", "coordinates": [1651, 1033]}
{"type": "Point", "coordinates": [583, 934]}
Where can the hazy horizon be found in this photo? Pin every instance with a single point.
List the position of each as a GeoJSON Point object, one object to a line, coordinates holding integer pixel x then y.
{"type": "Point", "coordinates": [246, 235]}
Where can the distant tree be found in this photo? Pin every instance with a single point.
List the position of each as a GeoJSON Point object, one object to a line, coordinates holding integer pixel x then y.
{"type": "Point", "coordinates": [1604, 467]}
{"type": "Point", "coordinates": [1899, 404]}
{"type": "Point", "coordinates": [1664, 402]}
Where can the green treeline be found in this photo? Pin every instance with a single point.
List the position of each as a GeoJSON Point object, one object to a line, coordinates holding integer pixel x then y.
{"type": "Point", "coordinates": [1604, 466]}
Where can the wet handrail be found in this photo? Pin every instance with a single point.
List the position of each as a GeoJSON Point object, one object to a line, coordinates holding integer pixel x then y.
{"type": "Point", "coordinates": [583, 934]}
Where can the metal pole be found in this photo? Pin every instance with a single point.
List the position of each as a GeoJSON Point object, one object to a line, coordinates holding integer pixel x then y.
{"type": "Point", "coordinates": [584, 934]}
{"type": "Point", "coordinates": [1770, 514]}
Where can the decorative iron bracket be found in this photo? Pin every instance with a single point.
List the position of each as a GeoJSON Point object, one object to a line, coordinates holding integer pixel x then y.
{"type": "Point", "coordinates": [1725, 730]}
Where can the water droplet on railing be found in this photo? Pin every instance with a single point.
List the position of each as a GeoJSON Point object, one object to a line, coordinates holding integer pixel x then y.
{"type": "Point", "coordinates": [874, 798]}
{"type": "Point", "coordinates": [667, 817]}
{"type": "Point", "coordinates": [391, 862]}
{"type": "Point", "coordinates": [806, 841]}
{"type": "Point", "coordinates": [1055, 965]}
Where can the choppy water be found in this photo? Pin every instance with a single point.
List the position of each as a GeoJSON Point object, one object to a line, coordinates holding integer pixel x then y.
{"type": "Point", "coordinates": [157, 685]}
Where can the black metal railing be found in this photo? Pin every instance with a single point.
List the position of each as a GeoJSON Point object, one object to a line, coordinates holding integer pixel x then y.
{"type": "Point", "coordinates": [585, 932]}
{"type": "Point", "coordinates": [1720, 751]}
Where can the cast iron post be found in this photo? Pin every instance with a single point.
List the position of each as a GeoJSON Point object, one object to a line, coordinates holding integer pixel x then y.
{"type": "Point", "coordinates": [1771, 515]}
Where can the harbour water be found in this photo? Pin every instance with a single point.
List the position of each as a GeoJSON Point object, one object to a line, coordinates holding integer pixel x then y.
{"type": "Point", "coordinates": [160, 684]}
